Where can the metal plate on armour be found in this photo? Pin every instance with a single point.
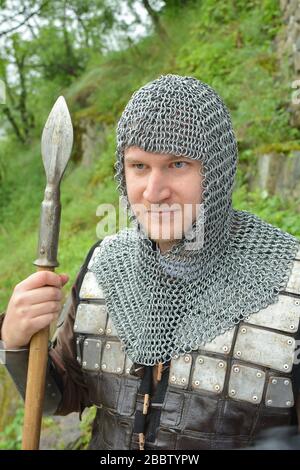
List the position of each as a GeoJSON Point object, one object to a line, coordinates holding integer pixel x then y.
{"type": "Point", "coordinates": [246, 383]}
{"type": "Point", "coordinates": [110, 328]}
{"type": "Point", "coordinates": [294, 280]}
{"type": "Point", "coordinates": [90, 288]}
{"type": "Point", "coordinates": [95, 253]}
{"type": "Point", "coordinates": [128, 365]}
{"type": "Point", "coordinates": [221, 344]}
{"type": "Point", "coordinates": [265, 348]}
{"type": "Point", "coordinates": [279, 393]}
{"type": "Point", "coordinates": [180, 369]}
{"type": "Point", "coordinates": [283, 315]}
{"type": "Point", "coordinates": [113, 357]}
{"type": "Point", "coordinates": [90, 318]}
{"type": "Point", "coordinates": [91, 356]}
{"type": "Point", "coordinates": [209, 374]}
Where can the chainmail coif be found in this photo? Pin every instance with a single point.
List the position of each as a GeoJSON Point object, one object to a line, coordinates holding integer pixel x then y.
{"type": "Point", "coordinates": [165, 304]}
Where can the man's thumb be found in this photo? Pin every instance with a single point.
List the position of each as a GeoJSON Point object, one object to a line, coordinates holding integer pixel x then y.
{"type": "Point", "coordinates": [64, 278]}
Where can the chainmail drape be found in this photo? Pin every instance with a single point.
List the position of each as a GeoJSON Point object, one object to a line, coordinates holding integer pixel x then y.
{"type": "Point", "coordinates": [167, 304]}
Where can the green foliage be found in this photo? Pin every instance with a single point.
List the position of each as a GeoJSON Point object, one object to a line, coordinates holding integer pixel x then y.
{"type": "Point", "coordinates": [11, 437]}
{"type": "Point", "coordinates": [104, 166]}
{"type": "Point", "coordinates": [2, 171]}
{"type": "Point", "coordinates": [60, 61]}
{"type": "Point", "coordinates": [280, 147]}
{"type": "Point", "coordinates": [237, 57]}
{"type": "Point", "coordinates": [86, 429]}
{"type": "Point", "coordinates": [278, 211]}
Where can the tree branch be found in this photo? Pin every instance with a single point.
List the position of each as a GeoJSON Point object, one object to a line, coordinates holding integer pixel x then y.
{"type": "Point", "coordinates": [14, 28]}
{"type": "Point", "coordinates": [155, 19]}
{"type": "Point", "coordinates": [13, 123]}
{"type": "Point", "coordinates": [9, 18]}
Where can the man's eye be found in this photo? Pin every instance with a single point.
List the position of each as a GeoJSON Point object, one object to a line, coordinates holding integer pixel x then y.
{"type": "Point", "coordinates": [139, 166]}
{"type": "Point", "coordinates": [179, 164]}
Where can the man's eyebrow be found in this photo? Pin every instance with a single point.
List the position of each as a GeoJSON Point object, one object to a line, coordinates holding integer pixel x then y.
{"type": "Point", "coordinates": [132, 159]}
{"type": "Point", "coordinates": [169, 158]}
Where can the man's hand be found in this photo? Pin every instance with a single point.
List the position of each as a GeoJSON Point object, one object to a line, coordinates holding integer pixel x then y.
{"type": "Point", "coordinates": [34, 304]}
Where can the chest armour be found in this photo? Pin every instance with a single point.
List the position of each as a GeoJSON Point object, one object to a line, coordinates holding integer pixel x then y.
{"type": "Point", "coordinates": [220, 396]}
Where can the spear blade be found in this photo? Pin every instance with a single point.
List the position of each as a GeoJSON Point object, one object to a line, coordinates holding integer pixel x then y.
{"type": "Point", "coordinates": [57, 140]}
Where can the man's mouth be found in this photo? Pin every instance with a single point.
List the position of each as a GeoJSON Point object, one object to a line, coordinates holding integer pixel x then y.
{"type": "Point", "coordinates": [162, 210]}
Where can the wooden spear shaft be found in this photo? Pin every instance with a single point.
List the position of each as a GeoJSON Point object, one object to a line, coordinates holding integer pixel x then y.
{"type": "Point", "coordinates": [57, 140]}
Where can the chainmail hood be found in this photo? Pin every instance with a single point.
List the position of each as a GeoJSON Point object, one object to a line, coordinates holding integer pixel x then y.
{"type": "Point", "coordinates": [167, 304]}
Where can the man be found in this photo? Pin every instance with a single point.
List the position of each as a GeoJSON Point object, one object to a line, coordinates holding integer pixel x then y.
{"type": "Point", "coordinates": [182, 329]}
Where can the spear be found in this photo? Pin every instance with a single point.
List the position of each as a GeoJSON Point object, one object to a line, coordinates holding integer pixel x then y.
{"type": "Point", "coordinates": [57, 140]}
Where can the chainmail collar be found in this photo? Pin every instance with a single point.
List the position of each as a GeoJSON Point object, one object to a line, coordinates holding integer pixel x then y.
{"type": "Point", "coordinates": [163, 307]}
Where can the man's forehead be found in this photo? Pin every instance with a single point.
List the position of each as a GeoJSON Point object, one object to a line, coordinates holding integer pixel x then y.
{"type": "Point", "coordinates": [132, 153]}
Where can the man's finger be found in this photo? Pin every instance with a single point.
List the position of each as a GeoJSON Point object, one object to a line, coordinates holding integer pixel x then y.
{"type": "Point", "coordinates": [39, 279]}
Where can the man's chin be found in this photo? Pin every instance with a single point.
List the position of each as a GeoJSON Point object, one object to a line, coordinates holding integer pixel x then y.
{"type": "Point", "coordinates": [162, 239]}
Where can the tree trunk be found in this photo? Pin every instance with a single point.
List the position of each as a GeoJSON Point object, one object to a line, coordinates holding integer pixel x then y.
{"type": "Point", "coordinates": [155, 20]}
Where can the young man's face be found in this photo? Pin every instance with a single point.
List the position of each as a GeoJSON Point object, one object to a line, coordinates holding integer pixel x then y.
{"type": "Point", "coordinates": [164, 192]}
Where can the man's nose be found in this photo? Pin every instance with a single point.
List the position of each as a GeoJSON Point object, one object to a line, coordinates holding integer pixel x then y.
{"type": "Point", "coordinates": [157, 188]}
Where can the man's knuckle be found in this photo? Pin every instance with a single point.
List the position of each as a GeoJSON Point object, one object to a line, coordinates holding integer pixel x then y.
{"type": "Point", "coordinates": [17, 300]}
{"type": "Point", "coordinates": [23, 310]}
